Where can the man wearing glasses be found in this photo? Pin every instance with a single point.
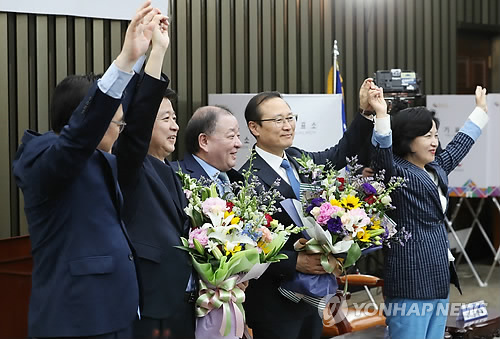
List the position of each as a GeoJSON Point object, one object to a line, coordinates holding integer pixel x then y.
{"type": "Point", "coordinates": [84, 280]}
{"type": "Point", "coordinates": [272, 122]}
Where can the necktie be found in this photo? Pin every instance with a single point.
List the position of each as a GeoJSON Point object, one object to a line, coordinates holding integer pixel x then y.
{"type": "Point", "coordinates": [291, 177]}
{"type": "Point", "coordinates": [224, 185]}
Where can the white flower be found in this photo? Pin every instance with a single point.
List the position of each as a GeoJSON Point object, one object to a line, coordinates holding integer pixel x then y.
{"type": "Point", "coordinates": [386, 200]}
{"type": "Point", "coordinates": [315, 212]}
{"type": "Point", "coordinates": [342, 246]}
{"type": "Point", "coordinates": [231, 239]}
{"type": "Point", "coordinates": [378, 187]}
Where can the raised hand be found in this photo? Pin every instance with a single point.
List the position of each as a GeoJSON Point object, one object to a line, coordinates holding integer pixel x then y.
{"type": "Point", "coordinates": [363, 94]}
{"type": "Point", "coordinates": [137, 38]}
{"type": "Point", "coordinates": [377, 101]}
{"type": "Point", "coordinates": [160, 39]}
{"type": "Point", "coordinates": [481, 98]}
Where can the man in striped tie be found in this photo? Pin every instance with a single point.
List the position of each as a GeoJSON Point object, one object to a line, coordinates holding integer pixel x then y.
{"type": "Point", "coordinates": [212, 140]}
{"type": "Point", "coordinates": [271, 312]}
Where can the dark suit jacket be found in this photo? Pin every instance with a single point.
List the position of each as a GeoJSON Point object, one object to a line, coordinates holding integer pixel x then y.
{"type": "Point", "coordinates": [154, 203]}
{"type": "Point", "coordinates": [266, 287]}
{"type": "Point", "coordinates": [84, 280]}
{"type": "Point", "coordinates": [420, 269]}
{"type": "Point", "coordinates": [190, 166]}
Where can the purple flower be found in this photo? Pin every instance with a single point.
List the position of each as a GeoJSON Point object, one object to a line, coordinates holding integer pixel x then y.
{"type": "Point", "coordinates": [316, 202]}
{"type": "Point", "coordinates": [335, 225]}
{"type": "Point", "coordinates": [368, 188]}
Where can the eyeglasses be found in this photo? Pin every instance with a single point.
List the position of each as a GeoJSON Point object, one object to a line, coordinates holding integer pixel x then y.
{"type": "Point", "coordinates": [291, 119]}
{"type": "Point", "coordinates": [121, 125]}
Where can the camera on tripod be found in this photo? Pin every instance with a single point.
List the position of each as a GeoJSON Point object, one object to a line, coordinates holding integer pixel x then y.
{"type": "Point", "coordinates": [401, 88]}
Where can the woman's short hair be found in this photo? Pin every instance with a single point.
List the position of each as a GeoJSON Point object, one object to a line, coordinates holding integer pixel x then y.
{"type": "Point", "coordinates": [408, 124]}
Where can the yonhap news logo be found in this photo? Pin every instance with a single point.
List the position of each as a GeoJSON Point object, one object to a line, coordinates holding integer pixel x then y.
{"type": "Point", "coordinates": [332, 309]}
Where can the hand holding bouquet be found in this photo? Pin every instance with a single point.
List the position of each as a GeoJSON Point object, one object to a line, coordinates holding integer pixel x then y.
{"type": "Point", "coordinates": [231, 241]}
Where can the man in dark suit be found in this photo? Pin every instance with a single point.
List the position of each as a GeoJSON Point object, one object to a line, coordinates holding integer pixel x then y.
{"type": "Point", "coordinates": [272, 123]}
{"type": "Point", "coordinates": [212, 142]}
{"type": "Point", "coordinates": [154, 202]}
{"type": "Point", "coordinates": [84, 282]}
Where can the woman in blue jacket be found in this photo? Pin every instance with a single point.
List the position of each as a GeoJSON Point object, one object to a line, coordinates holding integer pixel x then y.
{"type": "Point", "coordinates": [417, 275]}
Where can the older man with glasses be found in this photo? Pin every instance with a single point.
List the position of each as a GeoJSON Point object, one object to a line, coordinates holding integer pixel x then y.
{"type": "Point", "coordinates": [272, 122]}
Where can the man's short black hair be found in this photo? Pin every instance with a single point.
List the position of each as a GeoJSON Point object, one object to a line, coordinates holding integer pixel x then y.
{"type": "Point", "coordinates": [66, 98]}
{"type": "Point", "coordinates": [252, 112]}
{"type": "Point", "coordinates": [408, 124]}
{"type": "Point", "coordinates": [204, 121]}
{"type": "Point", "coordinates": [171, 95]}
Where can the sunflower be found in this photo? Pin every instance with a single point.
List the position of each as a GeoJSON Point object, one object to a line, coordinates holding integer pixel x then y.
{"type": "Point", "coordinates": [335, 202]}
{"type": "Point", "coordinates": [350, 202]}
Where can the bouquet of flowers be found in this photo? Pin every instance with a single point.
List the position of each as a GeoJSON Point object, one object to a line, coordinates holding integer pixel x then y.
{"type": "Point", "coordinates": [342, 216]}
{"type": "Point", "coordinates": [232, 240]}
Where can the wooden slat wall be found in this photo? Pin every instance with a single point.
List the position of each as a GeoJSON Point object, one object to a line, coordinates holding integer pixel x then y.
{"type": "Point", "coordinates": [220, 46]}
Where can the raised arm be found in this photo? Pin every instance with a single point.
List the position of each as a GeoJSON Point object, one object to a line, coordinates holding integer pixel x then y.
{"type": "Point", "coordinates": [355, 137]}
{"type": "Point", "coordinates": [64, 159]}
{"type": "Point", "coordinates": [133, 143]}
{"type": "Point", "coordinates": [382, 133]}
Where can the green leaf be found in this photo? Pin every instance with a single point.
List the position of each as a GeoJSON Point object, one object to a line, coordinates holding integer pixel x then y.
{"type": "Point", "coordinates": [187, 249]}
{"type": "Point", "coordinates": [197, 219]}
{"type": "Point", "coordinates": [205, 194]}
{"type": "Point", "coordinates": [277, 258]}
{"type": "Point", "coordinates": [213, 191]}
{"type": "Point", "coordinates": [352, 255]}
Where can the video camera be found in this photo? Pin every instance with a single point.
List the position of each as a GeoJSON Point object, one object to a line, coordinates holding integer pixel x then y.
{"type": "Point", "coordinates": [398, 81]}
{"type": "Point", "coordinates": [401, 88]}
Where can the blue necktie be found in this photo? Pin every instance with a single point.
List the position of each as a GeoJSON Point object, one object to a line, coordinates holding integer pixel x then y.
{"type": "Point", "coordinates": [291, 177]}
{"type": "Point", "coordinates": [225, 185]}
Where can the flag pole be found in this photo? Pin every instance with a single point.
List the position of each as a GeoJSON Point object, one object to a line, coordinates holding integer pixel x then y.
{"type": "Point", "coordinates": [335, 52]}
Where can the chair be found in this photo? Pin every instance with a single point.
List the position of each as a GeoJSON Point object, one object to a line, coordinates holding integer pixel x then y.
{"type": "Point", "coordinates": [352, 321]}
{"type": "Point", "coordinates": [15, 286]}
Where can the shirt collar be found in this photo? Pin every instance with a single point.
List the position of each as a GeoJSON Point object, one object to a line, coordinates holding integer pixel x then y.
{"type": "Point", "coordinates": [211, 171]}
{"type": "Point", "coordinates": [272, 160]}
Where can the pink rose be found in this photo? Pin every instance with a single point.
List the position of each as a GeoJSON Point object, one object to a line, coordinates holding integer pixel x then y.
{"type": "Point", "coordinates": [326, 211]}
{"type": "Point", "coordinates": [214, 205]}
{"type": "Point", "coordinates": [266, 234]}
{"type": "Point", "coordinates": [199, 234]}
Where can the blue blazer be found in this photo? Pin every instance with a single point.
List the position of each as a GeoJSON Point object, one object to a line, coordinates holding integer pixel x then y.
{"type": "Point", "coordinates": [190, 166]}
{"type": "Point", "coordinates": [266, 287]}
{"type": "Point", "coordinates": [84, 277]}
{"type": "Point", "coordinates": [153, 206]}
{"type": "Point", "coordinates": [420, 269]}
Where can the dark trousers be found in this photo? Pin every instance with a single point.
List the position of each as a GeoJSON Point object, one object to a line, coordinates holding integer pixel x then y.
{"type": "Point", "coordinates": [126, 333]}
{"type": "Point", "coordinates": [305, 323]}
{"type": "Point", "coordinates": [180, 325]}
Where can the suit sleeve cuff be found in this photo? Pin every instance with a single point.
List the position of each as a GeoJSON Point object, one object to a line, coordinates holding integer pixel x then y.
{"type": "Point", "coordinates": [383, 125]}
{"type": "Point", "coordinates": [138, 65]}
{"type": "Point", "coordinates": [384, 141]}
{"type": "Point", "coordinates": [479, 117]}
{"type": "Point", "coordinates": [114, 81]}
